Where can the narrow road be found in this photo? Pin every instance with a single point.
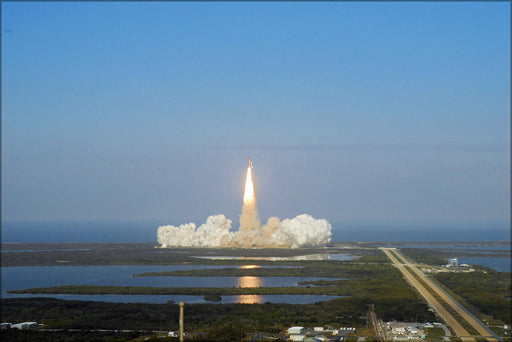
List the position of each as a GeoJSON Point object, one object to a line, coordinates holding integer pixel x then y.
{"type": "Point", "coordinates": [372, 317]}
{"type": "Point", "coordinates": [408, 270]}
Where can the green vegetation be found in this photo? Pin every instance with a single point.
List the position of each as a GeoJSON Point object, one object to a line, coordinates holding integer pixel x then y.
{"type": "Point", "coordinates": [144, 290]}
{"type": "Point", "coordinates": [369, 279]}
{"type": "Point", "coordinates": [329, 269]}
{"type": "Point", "coordinates": [377, 283]}
{"type": "Point", "coordinates": [233, 272]}
{"type": "Point", "coordinates": [273, 318]}
{"type": "Point", "coordinates": [67, 336]}
{"type": "Point", "coordinates": [469, 328]}
{"type": "Point", "coordinates": [213, 298]}
{"type": "Point", "coordinates": [483, 292]}
{"type": "Point", "coordinates": [425, 256]}
{"type": "Point", "coordinates": [434, 334]}
{"type": "Point", "coordinates": [487, 292]}
{"type": "Point", "coordinates": [58, 254]}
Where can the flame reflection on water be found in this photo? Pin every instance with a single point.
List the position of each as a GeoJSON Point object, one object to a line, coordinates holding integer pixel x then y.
{"type": "Point", "coordinates": [249, 299]}
{"type": "Point", "coordinates": [249, 282]}
{"type": "Point", "coordinates": [249, 267]}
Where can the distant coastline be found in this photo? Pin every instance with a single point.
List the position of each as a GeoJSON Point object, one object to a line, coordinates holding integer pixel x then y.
{"type": "Point", "coordinates": [112, 231]}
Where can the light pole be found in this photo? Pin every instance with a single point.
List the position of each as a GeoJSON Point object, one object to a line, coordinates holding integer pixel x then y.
{"type": "Point", "coordinates": [182, 304]}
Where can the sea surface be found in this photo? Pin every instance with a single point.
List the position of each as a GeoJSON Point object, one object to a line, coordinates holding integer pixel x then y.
{"type": "Point", "coordinates": [498, 264]}
{"type": "Point", "coordinates": [342, 232]}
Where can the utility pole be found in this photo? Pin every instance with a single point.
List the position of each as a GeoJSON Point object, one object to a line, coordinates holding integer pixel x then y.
{"type": "Point", "coordinates": [182, 304]}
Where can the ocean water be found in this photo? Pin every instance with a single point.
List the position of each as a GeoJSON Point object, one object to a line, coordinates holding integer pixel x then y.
{"type": "Point", "coordinates": [79, 231]}
{"type": "Point", "coordinates": [349, 232]}
{"type": "Point", "coordinates": [498, 264]}
{"type": "Point", "coordinates": [421, 231]}
{"type": "Point", "coordinates": [122, 275]}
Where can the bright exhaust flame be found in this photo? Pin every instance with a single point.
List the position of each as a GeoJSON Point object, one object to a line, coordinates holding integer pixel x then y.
{"type": "Point", "coordinates": [249, 188]}
{"type": "Point", "coordinates": [301, 231]}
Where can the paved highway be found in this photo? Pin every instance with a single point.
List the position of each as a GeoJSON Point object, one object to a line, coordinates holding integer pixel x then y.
{"type": "Point", "coordinates": [409, 269]}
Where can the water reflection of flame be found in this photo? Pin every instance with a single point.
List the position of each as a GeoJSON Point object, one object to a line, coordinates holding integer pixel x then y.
{"type": "Point", "coordinates": [249, 282]}
{"type": "Point", "coordinates": [249, 299]}
{"type": "Point", "coordinates": [249, 267]}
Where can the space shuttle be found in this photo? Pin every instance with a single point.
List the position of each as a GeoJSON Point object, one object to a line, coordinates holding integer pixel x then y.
{"type": "Point", "coordinates": [250, 163]}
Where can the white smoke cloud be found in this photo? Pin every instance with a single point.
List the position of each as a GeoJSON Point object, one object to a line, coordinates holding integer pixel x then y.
{"type": "Point", "coordinates": [215, 232]}
{"type": "Point", "coordinates": [301, 231]}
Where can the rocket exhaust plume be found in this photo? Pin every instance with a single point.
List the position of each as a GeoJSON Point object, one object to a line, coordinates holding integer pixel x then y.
{"type": "Point", "coordinates": [301, 231]}
{"type": "Point", "coordinates": [248, 234]}
{"type": "Point", "coordinates": [249, 186]}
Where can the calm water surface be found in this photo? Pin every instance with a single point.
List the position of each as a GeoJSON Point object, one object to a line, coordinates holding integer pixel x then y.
{"type": "Point", "coordinates": [498, 264]}
{"type": "Point", "coordinates": [457, 246]}
{"type": "Point", "coordinates": [45, 276]}
{"type": "Point", "coordinates": [158, 299]}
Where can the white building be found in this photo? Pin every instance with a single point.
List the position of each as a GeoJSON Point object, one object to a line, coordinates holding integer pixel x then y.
{"type": "Point", "coordinates": [24, 325]}
{"type": "Point", "coordinates": [399, 330]}
{"type": "Point", "coordinates": [453, 262]}
{"type": "Point", "coordinates": [296, 330]}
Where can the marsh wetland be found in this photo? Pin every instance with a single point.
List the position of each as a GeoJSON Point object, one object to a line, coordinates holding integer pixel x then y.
{"type": "Point", "coordinates": [108, 286]}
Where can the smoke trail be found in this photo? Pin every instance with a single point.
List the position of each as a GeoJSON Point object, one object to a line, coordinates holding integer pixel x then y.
{"type": "Point", "coordinates": [301, 231]}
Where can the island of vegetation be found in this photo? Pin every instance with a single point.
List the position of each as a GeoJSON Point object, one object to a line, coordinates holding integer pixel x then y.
{"type": "Point", "coordinates": [367, 281]}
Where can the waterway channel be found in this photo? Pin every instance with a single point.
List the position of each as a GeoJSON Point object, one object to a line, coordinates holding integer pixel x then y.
{"type": "Point", "coordinates": [45, 276]}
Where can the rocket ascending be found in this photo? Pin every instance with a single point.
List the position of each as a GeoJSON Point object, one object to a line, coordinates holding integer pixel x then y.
{"type": "Point", "coordinates": [249, 186]}
{"type": "Point", "coordinates": [301, 231]}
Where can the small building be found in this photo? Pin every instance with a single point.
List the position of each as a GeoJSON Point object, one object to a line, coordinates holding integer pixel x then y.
{"type": "Point", "coordinates": [297, 337]}
{"type": "Point", "coordinates": [454, 262]}
{"type": "Point", "coordinates": [336, 339]}
{"type": "Point", "coordinates": [24, 325]}
{"type": "Point", "coordinates": [318, 329]}
{"type": "Point", "coordinates": [295, 330]}
{"type": "Point", "coordinates": [399, 330]}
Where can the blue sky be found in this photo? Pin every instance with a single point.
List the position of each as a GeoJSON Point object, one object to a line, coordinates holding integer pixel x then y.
{"type": "Point", "coordinates": [388, 111]}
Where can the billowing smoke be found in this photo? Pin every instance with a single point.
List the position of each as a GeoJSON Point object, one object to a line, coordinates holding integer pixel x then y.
{"type": "Point", "coordinates": [215, 232]}
{"type": "Point", "coordinates": [301, 231]}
